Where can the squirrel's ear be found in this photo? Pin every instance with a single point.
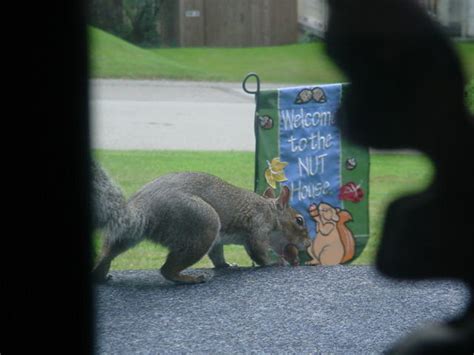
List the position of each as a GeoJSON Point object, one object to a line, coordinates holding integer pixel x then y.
{"type": "Point", "coordinates": [268, 193]}
{"type": "Point", "coordinates": [284, 197]}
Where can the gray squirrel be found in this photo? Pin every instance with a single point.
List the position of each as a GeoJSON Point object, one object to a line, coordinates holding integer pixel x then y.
{"type": "Point", "coordinates": [193, 214]}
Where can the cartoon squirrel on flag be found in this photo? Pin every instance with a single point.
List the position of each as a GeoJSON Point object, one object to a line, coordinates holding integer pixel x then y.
{"type": "Point", "coordinates": [334, 243]}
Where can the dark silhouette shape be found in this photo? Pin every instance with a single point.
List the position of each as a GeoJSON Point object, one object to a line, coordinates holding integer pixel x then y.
{"type": "Point", "coordinates": [407, 91]}
{"type": "Point", "coordinates": [47, 257]}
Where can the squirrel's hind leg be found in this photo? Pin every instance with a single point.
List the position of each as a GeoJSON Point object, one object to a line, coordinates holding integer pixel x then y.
{"type": "Point", "coordinates": [181, 258]}
{"type": "Point", "coordinates": [189, 239]}
{"type": "Point", "coordinates": [178, 261]}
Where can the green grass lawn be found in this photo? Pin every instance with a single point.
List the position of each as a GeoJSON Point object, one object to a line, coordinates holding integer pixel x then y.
{"type": "Point", "coordinates": [391, 175]}
{"type": "Point", "coordinates": [112, 57]}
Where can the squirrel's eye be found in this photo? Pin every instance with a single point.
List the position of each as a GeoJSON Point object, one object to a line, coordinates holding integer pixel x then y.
{"type": "Point", "coordinates": [300, 220]}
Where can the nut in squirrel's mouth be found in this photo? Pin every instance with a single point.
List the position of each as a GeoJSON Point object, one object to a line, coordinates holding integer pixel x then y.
{"type": "Point", "coordinates": [291, 254]}
{"type": "Point", "coordinates": [302, 246]}
{"type": "Point", "coordinates": [299, 246]}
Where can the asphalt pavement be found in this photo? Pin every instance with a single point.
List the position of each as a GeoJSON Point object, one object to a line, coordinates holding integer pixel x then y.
{"type": "Point", "coordinates": [291, 310]}
{"type": "Point", "coordinates": [160, 114]}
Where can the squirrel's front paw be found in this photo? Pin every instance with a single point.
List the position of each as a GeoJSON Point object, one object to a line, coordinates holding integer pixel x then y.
{"type": "Point", "coordinates": [281, 262]}
{"type": "Point", "coordinates": [278, 262]}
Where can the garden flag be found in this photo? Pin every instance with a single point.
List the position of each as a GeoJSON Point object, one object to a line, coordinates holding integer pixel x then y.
{"type": "Point", "coordinates": [299, 145]}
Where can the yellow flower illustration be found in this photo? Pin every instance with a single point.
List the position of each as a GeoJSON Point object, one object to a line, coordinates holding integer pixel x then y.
{"type": "Point", "coordinates": [274, 173]}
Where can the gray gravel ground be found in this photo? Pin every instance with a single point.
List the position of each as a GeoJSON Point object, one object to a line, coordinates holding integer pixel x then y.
{"type": "Point", "coordinates": [329, 310]}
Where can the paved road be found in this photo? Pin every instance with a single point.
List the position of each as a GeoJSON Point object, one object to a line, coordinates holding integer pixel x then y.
{"type": "Point", "coordinates": [301, 310]}
{"type": "Point", "coordinates": [138, 114]}
{"type": "Point", "coordinates": [160, 114]}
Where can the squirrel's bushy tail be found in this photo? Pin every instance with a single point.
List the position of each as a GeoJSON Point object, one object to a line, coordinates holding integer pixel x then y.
{"type": "Point", "coordinates": [111, 211]}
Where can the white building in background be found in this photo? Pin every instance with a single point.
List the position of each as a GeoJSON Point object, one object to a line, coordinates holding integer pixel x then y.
{"type": "Point", "coordinates": [313, 16]}
{"type": "Point", "coordinates": [456, 16]}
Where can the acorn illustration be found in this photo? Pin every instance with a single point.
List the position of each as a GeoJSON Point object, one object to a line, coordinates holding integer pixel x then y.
{"type": "Point", "coordinates": [304, 96]}
{"type": "Point", "coordinates": [318, 95]}
{"type": "Point", "coordinates": [351, 163]}
{"type": "Point", "coordinates": [266, 122]}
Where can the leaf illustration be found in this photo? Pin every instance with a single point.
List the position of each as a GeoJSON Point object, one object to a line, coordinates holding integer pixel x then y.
{"type": "Point", "coordinates": [269, 177]}
{"type": "Point", "coordinates": [275, 172]}
{"type": "Point", "coordinates": [276, 165]}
